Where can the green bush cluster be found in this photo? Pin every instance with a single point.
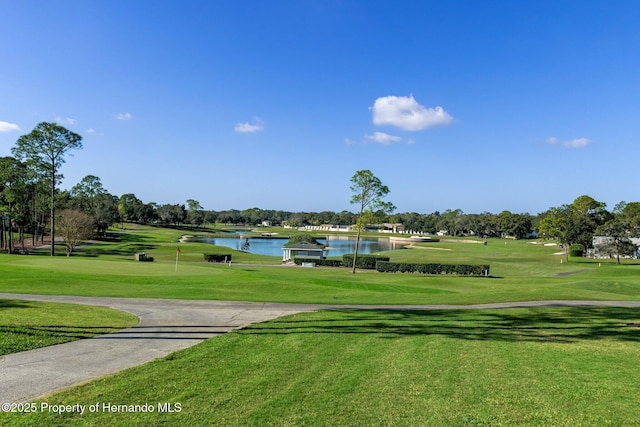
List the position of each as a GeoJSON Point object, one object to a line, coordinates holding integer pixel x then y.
{"type": "Point", "coordinates": [321, 262]}
{"type": "Point", "coordinates": [433, 268]}
{"type": "Point", "coordinates": [366, 262]}
{"type": "Point", "coordinates": [217, 257]}
{"type": "Point", "coordinates": [576, 250]}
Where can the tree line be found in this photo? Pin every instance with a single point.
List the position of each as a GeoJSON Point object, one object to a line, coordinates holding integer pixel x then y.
{"type": "Point", "coordinates": [31, 204]}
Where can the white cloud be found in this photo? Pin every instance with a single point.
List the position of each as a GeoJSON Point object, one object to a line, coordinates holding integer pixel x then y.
{"type": "Point", "coordinates": [90, 130]}
{"type": "Point", "coordinates": [8, 127]}
{"type": "Point", "coordinates": [577, 143]}
{"type": "Point", "coordinates": [123, 116]}
{"type": "Point", "coordinates": [383, 138]}
{"type": "Point", "coordinates": [65, 120]}
{"type": "Point", "coordinates": [247, 127]}
{"type": "Point", "coordinates": [571, 143]}
{"type": "Point", "coordinates": [407, 114]}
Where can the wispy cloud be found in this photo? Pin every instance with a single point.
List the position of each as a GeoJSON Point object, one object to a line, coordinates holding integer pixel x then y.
{"type": "Point", "coordinates": [65, 120]}
{"type": "Point", "coordinates": [406, 113]}
{"type": "Point", "coordinates": [90, 130]}
{"type": "Point", "coordinates": [383, 138]}
{"type": "Point", "coordinates": [246, 127]}
{"type": "Point", "coordinates": [123, 116]}
{"type": "Point", "coordinates": [571, 143]}
{"type": "Point", "coordinates": [8, 127]}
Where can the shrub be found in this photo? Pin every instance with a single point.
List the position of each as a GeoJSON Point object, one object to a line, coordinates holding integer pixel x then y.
{"type": "Point", "coordinates": [321, 262]}
{"type": "Point", "coordinates": [217, 257]}
{"type": "Point", "coordinates": [366, 262]}
{"type": "Point", "coordinates": [387, 267]}
{"type": "Point", "coordinates": [576, 250]}
{"type": "Point", "coordinates": [406, 267]}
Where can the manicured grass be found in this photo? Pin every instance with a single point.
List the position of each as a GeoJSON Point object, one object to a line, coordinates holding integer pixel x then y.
{"type": "Point", "coordinates": [539, 366]}
{"type": "Point", "coordinates": [26, 325]}
{"type": "Point", "coordinates": [520, 271]}
{"type": "Point", "coordinates": [544, 366]}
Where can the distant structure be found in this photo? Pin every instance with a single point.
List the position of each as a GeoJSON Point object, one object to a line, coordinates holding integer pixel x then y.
{"type": "Point", "coordinates": [302, 250]}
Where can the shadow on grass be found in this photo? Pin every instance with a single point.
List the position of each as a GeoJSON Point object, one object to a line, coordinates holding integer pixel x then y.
{"type": "Point", "coordinates": [12, 303]}
{"type": "Point", "coordinates": [58, 330]}
{"type": "Point", "coordinates": [557, 325]}
{"type": "Point", "coordinates": [15, 339]}
{"type": "Point", "coordinates": [122, 237]}
{"type": "Point", "coordinates": [124, 250]}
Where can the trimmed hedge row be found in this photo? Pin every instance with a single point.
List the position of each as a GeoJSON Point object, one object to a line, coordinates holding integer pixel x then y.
{"type": "Point", "coordinates": [217, 257]}
{"type": "Point", "coordinates": [322, 262]}
{"type": "Point", "coordinates": [406, 267]}
{"type": "Point", "coordinates": [366, 262]}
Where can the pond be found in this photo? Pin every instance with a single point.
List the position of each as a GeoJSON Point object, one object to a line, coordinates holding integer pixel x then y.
{"type": "Point", "coordinates": [336, 245]}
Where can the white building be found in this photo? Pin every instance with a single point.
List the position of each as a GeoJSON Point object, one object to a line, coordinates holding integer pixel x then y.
{"type": "Point", "coordinates": [602, 247]}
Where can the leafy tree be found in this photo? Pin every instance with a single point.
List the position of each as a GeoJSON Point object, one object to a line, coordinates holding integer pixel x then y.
{"type": "Point", "coordinates": [106, 212]}
{"type": "Point", "coordinates": [146, 212]}
{"type": "Point", "coordinates": [451, 220]}
{"type": "Point", "coordinates": [210, 217]}
{"type": "Point", "coordinates": [587, 214]}
{"type": "Point", "coordinates": [296, 220]}
{"type": "Point", "coordinates": [195, 213]}
{"type": "Point", "coordinates": [344, 218]}
{"type": "Point", "coordinates": [129, 206]}
{"type": "Point", "coordinates": [39, 205]}
{"type": "Point", "coordinates": [556, 224]}
{"type": "Point", "coordinates": [252, 216]}
{"type": "Point", "coordinates": [618, 233]}
{"type": "Point", "coordinates": [74, 226]}
{"type": "Point", "coordinates": [86, 192]}
{"type": "Point", "coordinates": [483, 224]}
{"type": "Point", "coordinates": [630, 213]}
{"type": "Point", "coordinates": [172, 214]}
{"type": "Point", "coordinates": [516, 225]}
{"type": "Point", "coordinates": [368, 192]}
{"type": "Point", "coordinates": [574, 223]}
{"type": "Point", "coordinates": [229, 217]}
{"type": "Point", "coordinates": [14, 198]}
{"type": "Point", "coordinates": [44, 148]}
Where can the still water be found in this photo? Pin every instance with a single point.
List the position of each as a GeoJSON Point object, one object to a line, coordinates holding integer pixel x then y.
{"type": "Point", "coordinates": [337, 245]}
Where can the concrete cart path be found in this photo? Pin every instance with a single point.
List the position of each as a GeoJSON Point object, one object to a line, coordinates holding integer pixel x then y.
{"type": "Point", "coordinates": [165, 326]}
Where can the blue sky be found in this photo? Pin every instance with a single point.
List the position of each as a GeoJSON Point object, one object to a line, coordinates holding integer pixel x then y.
{"type": "Point", "coordinates": [477, 105]}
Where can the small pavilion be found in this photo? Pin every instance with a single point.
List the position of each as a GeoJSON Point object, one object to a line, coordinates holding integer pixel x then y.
{"type": "Point", "coordinates": [302, 250]}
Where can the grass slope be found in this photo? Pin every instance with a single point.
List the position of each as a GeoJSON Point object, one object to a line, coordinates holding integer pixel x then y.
{"type": "Point", "coordinates": [26, 325]}
{"type": "Point", "coordinates": [520, 271]}
{"type": "Point", "coordinates": [539, 366]}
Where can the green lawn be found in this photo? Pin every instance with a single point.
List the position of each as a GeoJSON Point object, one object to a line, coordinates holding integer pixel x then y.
{"type": "Point", "coordinates": [538, 366]}
{"type": "Point", "coordinates": [519, 271]}
{"type": "Point", "coordinates": [551, 366]}
{"type": "Point", "coordinates": [25, 325]}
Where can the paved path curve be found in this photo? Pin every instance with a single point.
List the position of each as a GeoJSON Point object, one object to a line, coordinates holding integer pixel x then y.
{"type": "Point", "coordinates": [165, 326]}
